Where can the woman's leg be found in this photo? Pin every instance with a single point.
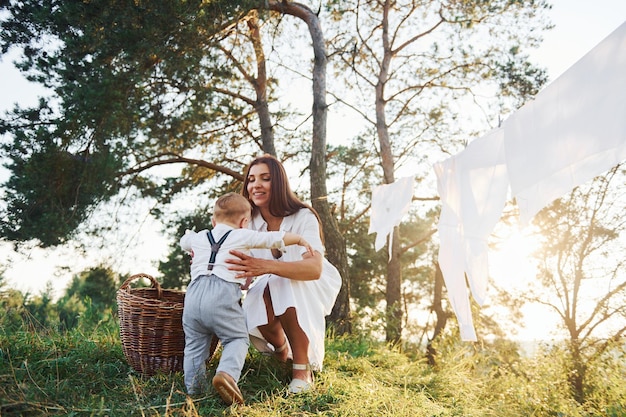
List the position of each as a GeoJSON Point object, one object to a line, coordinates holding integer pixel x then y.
{"type": "Point", "coordinates": [287, 325]}
{"type": "Point", "coordinates": [299, 343]}
{"type": "Point", "coordinates": [273, 330]}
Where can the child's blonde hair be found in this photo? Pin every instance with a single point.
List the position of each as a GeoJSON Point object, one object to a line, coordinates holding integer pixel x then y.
{"type": "Point", "coordinates": [231, 207]}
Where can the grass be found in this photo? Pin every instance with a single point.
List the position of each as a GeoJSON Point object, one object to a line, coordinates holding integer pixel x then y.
{"type": "Point", "coordinates": [84, 373]}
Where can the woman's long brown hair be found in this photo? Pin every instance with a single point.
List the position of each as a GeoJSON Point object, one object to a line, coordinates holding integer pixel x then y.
{"type": "Point", "coordinates": [283, 202]}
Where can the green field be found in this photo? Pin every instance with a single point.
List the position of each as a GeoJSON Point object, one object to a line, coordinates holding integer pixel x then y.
{"type": "Point", "coordinates": [83, 372]}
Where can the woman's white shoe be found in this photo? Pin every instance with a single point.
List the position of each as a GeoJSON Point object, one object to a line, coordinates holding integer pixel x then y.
{"type": "Point", "coordinates": [296, 386]}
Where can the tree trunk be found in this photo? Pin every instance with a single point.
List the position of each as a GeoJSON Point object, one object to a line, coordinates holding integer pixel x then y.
{"type": "Point", "coordinates": [393, 296]}
{"type": "Point", "coordinates": [577, 373]}
{"type": "Point", "coordinates": [334, 241]}
{"type": "Point", "coordinates": [394, 312]}
{"type": "Point", "coordinates": [260, 86]}
{"type": "Point", "coordinates": [442, 316]}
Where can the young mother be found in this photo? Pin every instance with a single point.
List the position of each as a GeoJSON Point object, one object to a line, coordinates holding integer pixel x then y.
{"type": "Point", "coordinates": [294, 291]}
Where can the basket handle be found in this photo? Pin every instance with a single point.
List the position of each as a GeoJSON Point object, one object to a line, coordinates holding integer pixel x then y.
{"type": "Point", "coordinates": [155, 283]}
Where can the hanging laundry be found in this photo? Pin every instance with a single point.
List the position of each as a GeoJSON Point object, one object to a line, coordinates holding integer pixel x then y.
{"type": "Point", "coordinates": [573, 131]}
{"type": "Point", "coordinates": [473, 188]}
{"type": "Point", "coordinates": [390, 202]}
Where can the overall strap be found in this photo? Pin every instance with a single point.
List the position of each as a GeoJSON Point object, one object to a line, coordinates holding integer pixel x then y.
{"type": "Point", "coordinates": [215, 247]}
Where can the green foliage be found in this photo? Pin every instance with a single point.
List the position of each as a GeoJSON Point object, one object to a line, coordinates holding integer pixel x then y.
{"type": "Point", "coordinates": [12, 305]}
{"type": "Point", "coordinates": [131, 84]}
{"type": "Point", "coordinates": [602, 377]}
{"type": "Point", "coordinates": [175, 269]}
{"type": "Point", "coordinates": [41, 310]}
{"type": "Point", "coordinates": [26, 311]}
{"type": "Point", "coordinates": [88, 299]}
{"type": "Point", "coordinates": [99, 284]}
{"type": "Point", "coordinates": [51, 190]}
{"type": "Point", "coordinates": [520, 79]}
{"type": "Point", "coordinates": [368, 269]}
{"type": "Point", "coordinates": [70, 309]}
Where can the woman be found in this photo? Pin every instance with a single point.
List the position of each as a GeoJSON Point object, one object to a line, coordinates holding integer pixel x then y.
{"type": "Point", "coordinates": [294, 291]}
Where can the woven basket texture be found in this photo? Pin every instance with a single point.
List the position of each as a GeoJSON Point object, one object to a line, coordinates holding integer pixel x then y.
{"type": "Point", "coordinates": [151, 328]}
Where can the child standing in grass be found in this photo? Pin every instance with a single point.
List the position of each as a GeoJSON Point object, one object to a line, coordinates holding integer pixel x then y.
{"type": "Point", "coordinates": [212, 302]}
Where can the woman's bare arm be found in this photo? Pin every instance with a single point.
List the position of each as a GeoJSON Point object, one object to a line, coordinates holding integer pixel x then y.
{"type": "Point", "coordinates": [308, 269]}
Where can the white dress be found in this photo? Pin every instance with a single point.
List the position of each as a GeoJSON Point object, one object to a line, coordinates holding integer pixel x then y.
{"type": "Point", "coordinates": [313, 300]}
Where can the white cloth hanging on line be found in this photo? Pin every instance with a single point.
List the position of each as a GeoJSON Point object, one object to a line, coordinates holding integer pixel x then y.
{"type": "Point", "coordinates": [575, 129]}
{"type": "Point", "coordinates": [390, 202]}
{"type": "Point", "coordinates": [473, 186]}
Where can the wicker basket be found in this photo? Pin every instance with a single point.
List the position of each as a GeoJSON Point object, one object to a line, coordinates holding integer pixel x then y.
{"type": "Point", "coordinates": [151, 326]}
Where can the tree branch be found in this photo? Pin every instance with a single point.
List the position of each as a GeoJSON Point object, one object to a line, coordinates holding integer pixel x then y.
{"type": "Point", "coordinates": [175, 159]}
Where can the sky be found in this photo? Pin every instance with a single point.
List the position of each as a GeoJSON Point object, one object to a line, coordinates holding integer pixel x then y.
{"type": "Point", "coordinates": [579, 26]}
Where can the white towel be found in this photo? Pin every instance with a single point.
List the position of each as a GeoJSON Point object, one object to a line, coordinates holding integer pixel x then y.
{"type": "Point", "coordinates": [390, 202]}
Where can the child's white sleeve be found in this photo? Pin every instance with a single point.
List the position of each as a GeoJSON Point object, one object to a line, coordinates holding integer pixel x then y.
{"type": "Point", "coordinates": [185, 241]}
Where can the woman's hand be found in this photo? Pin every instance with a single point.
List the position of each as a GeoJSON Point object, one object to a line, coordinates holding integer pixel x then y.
{"type": "Point", "coordinates": [309, 268]}
{"type": "Point", "coordinates": [247, 266]}
{"type": "Point", "coordinates": [308, 247]}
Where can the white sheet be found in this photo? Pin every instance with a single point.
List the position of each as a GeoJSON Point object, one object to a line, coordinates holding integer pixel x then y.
{"type": "Point", "coordinates": [574, 130]}
{"type": "Point", "coordinates": [473, 187]}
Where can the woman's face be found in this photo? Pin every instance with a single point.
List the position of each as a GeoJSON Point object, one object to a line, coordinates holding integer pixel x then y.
{"type": "Point", "coordinates": [259, 185]}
